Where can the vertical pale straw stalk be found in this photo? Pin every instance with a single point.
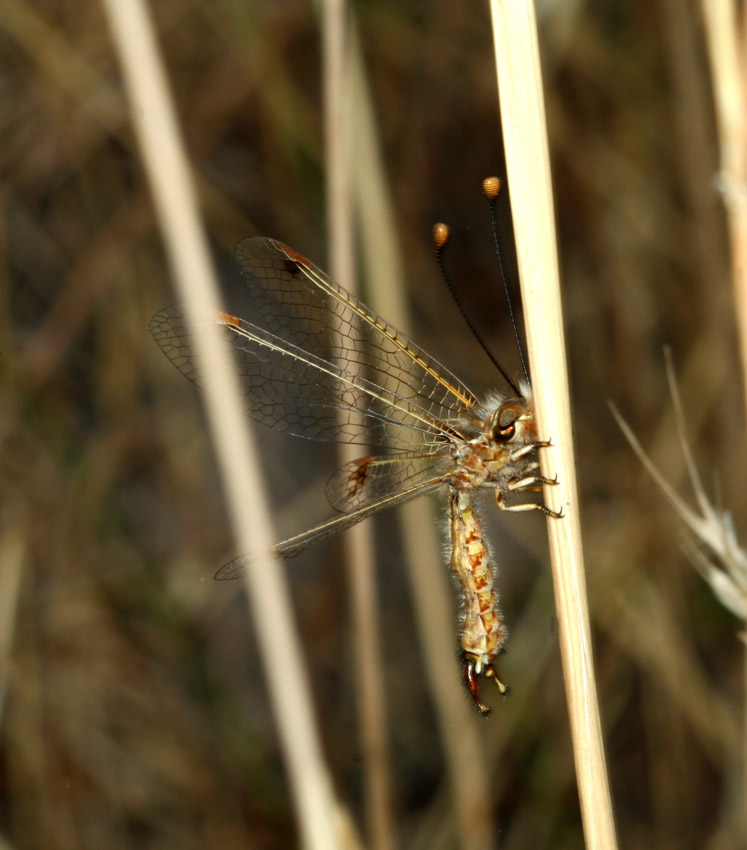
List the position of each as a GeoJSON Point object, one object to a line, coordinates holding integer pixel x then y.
{"type": "Point", "coordinates": [727, 65]}
{"type": "Point", "coordinates": [172, 187]}
{"type": "Point", "coordinates": [528, 167]}
{"type": "Point", "coordinates": [466, 756]}
{"type": "Point", "coordinates": [13, 546]}
{"type": "Point", "coordinates": [340, 116]}
{"type": "Point", "coordinates": [725, 44]}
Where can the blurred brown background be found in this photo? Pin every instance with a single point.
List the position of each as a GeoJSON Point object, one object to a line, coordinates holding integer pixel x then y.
{"type": "Point", "coordinates": [133, 707]}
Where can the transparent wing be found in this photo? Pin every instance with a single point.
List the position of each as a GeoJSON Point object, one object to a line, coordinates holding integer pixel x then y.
{"type": "Point", "coordinates": [371, 479]}
{"type": "Point", "coordinates": [299, 393]}
{"type": "Point", "coordinates": [304, 306]}
{"type": "Point", "coordinates": [292, 546]}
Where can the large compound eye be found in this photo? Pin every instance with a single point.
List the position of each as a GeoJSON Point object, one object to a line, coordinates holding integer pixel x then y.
{"type": "Point", "coordinates": [504, 427]}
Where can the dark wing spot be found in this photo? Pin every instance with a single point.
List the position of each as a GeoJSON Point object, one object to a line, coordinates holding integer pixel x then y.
{"type": "Point", "coordinates": [359, 476]}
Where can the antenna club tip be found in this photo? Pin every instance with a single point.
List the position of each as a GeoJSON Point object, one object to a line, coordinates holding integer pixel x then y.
{"type": "Point", "coordinates": [440, 235]}
{"type": "Point", "coordinates": [491, 186]}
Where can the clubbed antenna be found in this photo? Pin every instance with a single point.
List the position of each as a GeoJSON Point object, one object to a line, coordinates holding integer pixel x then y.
{"type": "Point", "coordinates": [491, 186]}
{"type": "Point", "coordinates": [440, 238]}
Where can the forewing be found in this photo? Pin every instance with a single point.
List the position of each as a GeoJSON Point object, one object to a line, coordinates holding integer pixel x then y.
{"type": "Point", "coordinates": [304, 306]}
{"type": "Point", "coordinates": [371, 479]}
{"type": "Point", "coordinates": [296, 392]}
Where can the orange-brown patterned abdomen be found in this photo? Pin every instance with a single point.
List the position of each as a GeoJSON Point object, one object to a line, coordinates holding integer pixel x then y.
{"type": "Point", "coordinates": [483, 632]}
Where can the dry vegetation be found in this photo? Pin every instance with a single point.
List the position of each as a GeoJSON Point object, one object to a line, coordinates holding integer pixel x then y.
{"type": "Point", "coordinates": [133, 706]}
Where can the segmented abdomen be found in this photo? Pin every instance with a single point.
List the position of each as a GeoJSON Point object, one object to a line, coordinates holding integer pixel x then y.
{"type": "Point", "coordinates": [483, 632]}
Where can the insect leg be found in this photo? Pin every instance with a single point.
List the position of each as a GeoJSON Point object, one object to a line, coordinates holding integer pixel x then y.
{"type": "Point", "coordinates": [530, 483]}
{"type": "Point", "coordinates": [500, 500]}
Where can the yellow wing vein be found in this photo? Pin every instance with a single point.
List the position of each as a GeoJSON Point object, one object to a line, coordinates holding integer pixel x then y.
{"type": "Point", "coordinates": [390, 333]}
{"type": "Point", "coordinates": [243, 329]}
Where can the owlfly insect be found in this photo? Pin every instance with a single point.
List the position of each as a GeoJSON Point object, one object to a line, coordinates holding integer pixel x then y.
{"type": "Point", "coordinates": [328, 368]}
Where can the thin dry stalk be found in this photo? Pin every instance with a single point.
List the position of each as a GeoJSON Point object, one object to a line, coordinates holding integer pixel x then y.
{"type": "Point", "coordinates": [341, 115]}
{"type": "Point", "coordinates": [166, 165]}
{"type": "Point", "coordinates": [468, 776]}
{"type": "Point", "coordinates": [725, 44]}
{"type": "Point", "coordinates": [13, 546]}
{"type": "Point", "coordinates": [525, 138]}
{"type": "Point", "coordinates": [727, 63]}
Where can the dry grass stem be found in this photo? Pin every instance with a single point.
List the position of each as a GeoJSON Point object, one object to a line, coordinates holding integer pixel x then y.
{"type": "Point", "coordinates": [727, 62]}
{"type": "Point", "coordinates": [166, 164]}
{"type": "Point", "coordinates": [13, 553]}
{"type": "Point", "coordinates": [525, 138]}
{"type": "Point", "coordinates": [468, 778]}
{"type": "Point", "coordinates": [341, 117]}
